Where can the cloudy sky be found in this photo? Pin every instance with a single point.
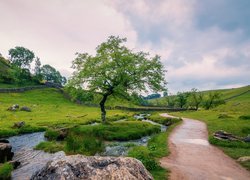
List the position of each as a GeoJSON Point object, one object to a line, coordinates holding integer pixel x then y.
{"type": "Point", "coordinates": [203, 44]}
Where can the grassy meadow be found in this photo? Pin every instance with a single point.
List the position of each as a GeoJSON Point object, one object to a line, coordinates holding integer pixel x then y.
{"type": "Point", "coordinates": [49, 108]}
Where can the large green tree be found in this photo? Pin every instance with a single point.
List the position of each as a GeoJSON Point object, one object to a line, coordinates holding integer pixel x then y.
{"type": "Point", "coordinates": [196, 98]}
{"type": "Point", "coordinates": [21, 57]}
{"type": "Point", "coordinates": [117, 70]}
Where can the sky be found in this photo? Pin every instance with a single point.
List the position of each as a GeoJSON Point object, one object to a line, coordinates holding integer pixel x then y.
{"type": "Point", "coordinates": [203, 44]}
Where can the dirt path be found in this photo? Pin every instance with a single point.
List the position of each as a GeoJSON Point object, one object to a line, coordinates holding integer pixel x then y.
{"type": "Point", "coordinates": [192, 157]}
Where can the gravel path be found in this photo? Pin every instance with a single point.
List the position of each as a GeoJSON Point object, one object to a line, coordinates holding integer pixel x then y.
{"type": "Point", "coordinates": [192, 157]}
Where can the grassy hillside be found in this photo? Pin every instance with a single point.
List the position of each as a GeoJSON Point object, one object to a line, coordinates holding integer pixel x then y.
{"type": "Point", "coordinates": [228, 117]}
{"type": "Point", "coordinates": [226, 93]}
{"type": "Point", "coordinates": [49, 109]}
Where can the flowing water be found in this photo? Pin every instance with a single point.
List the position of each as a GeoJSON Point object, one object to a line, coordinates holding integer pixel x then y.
{"type": "Point", "coordinates": [121, 148]}
{"type": "Point", "coordinates": [31, 160]}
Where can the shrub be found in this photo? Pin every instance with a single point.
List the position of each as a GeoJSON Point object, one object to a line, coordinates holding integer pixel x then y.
{"type": "Point", "coordinates": [51, 134]}
{"type": "Point", "coordinates": [143, 154]}
{"type": "Point", "coordinates": [5, 171]}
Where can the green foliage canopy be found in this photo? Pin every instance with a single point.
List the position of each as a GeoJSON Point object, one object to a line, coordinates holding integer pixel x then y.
{"type": "Point", "coordinates": [117, 70]}
{"type": "Point", "coordinates": [21, 57]}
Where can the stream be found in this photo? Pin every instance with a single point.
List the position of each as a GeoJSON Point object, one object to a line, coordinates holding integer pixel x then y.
{"type": "Point", "coordinates": [121, 148]}
{"type": "Point", "coordinates": [33, 160]}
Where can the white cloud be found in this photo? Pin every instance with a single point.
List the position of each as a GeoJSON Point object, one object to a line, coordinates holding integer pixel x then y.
{"type": "Point", "coordinates": [56, 30]}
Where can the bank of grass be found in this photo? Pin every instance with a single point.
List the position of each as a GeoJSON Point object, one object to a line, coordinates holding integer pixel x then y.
{"type": "Point", "coordinates": [235, 121]}
{"type": "Point", "coordinates": [5, 171]}
{"type": "Point", "coordinates": [157, 148]}
{"type": "Point", "coordinates": [88, 139]}
{"type": "Point", "coordinates": [51, 146]}
{"type": "Point", "coordinates": [50, 109]}
{"type": "Point", "coordinates": [120, 131]}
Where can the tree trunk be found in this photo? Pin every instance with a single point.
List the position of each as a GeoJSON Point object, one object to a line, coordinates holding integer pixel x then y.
{"type": "Point", "coordinates": [102, 105]}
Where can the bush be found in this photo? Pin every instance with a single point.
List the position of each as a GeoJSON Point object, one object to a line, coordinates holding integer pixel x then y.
{"type": "Point", "coordinates": [5, 171]}
{"type": "Point", "coordinates": [51, 134]}
{"type": "Point", "coordinates": [83, 144]}
{"type": "Point", "coordinates": [143, 154]}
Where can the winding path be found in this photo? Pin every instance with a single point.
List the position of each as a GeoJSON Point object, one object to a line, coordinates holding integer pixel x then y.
{"type": "Point", "coordinates": [192, 157]}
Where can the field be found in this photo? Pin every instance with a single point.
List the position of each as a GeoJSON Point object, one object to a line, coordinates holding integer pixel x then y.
{"type": "Point", "coordinates": [49, 108]}
{"type": "Point", "coordinates": [232, 117]}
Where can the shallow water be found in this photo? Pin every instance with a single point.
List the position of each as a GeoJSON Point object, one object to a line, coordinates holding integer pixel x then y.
{"type": "Point", "coordinates": [26, 141]}
{"type": "Point", "coordinates": [31, 160]}
{"type": "Point", "coordinates": [119, 148]}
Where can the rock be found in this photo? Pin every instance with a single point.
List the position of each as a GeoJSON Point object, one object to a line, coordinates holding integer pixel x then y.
{"type": "Point", "coordinates": [247, 139]}
{"type": "Point", "coordinates": [4, 141]}
{"type": "Point", "coordinates": [15, 164]}
{"type": "Point", "coordinates": [244, 159]}
{"type": "Point", "coordinates": [25, 108]}
{"type": "Point", "coordinates": [14, 107]}
{"type": "Point", "coordinates": [222, 135]}
{"type": "Point", "coordinates": [19, 124]}
{"type": "Point", "coordinates": [93, 167]}
{"type": "Point", "coordinates": [5, 152]}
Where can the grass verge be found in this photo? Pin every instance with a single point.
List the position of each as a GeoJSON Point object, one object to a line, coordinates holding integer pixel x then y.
{"type": "Point", "coordinates": [5, 171]}
{"type": "Point", "coordinates": [157, 148]}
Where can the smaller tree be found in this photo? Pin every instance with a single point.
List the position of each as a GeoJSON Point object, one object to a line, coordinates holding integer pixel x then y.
{"type": "Point", "coordinates": [212, 100]}
{"type": "Point", "coordinates": [50, 74]}
{"type": "Point", "coordinates": [21, 57]}
{"type": "Point", "coordinates": [37, 70]}
{"type": "Point", "coordinates": [196, 98]}
{"type": "Point", "coordinates": [181, 99]}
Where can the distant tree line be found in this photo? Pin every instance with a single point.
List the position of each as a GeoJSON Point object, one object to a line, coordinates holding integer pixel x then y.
{"type": "Point", "coordinates": [17, 69]}
{"type": "Point", "coordinates": [192, 99]}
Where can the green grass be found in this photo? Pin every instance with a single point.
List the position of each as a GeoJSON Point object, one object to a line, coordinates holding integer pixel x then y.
{"type": "Point", "coordinates": [157, 148]}
{"type": "Point", "coordinates": [5, 171]}
{"type": "Point", "coordinates": [235, 121]}
{"type": "Point", "coordinates": [122, 131]}
{"type": "Point", "coordinates": [163, 120]}
{"type": "Point", "coordinates": [50, 146]}
{"type": "Point", "coordinates": [88, 140]}
{"type": "Point", "coordinates": [49, 109]}
{"type": "Point", "coordinates": [226, 93]}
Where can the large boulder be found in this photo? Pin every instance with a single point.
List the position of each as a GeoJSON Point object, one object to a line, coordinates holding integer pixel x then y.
{"type": "Point", "coordinates": [5, 152]}
{"type": "Point", "coordinates": [93, 167]}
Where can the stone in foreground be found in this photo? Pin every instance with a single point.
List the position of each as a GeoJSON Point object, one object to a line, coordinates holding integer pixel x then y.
{"type": "Point", "coordinates": [93, 167]}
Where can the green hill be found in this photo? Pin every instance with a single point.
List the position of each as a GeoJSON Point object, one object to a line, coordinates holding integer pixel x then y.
{"type": "Point", "coordinates": [225, 93]}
